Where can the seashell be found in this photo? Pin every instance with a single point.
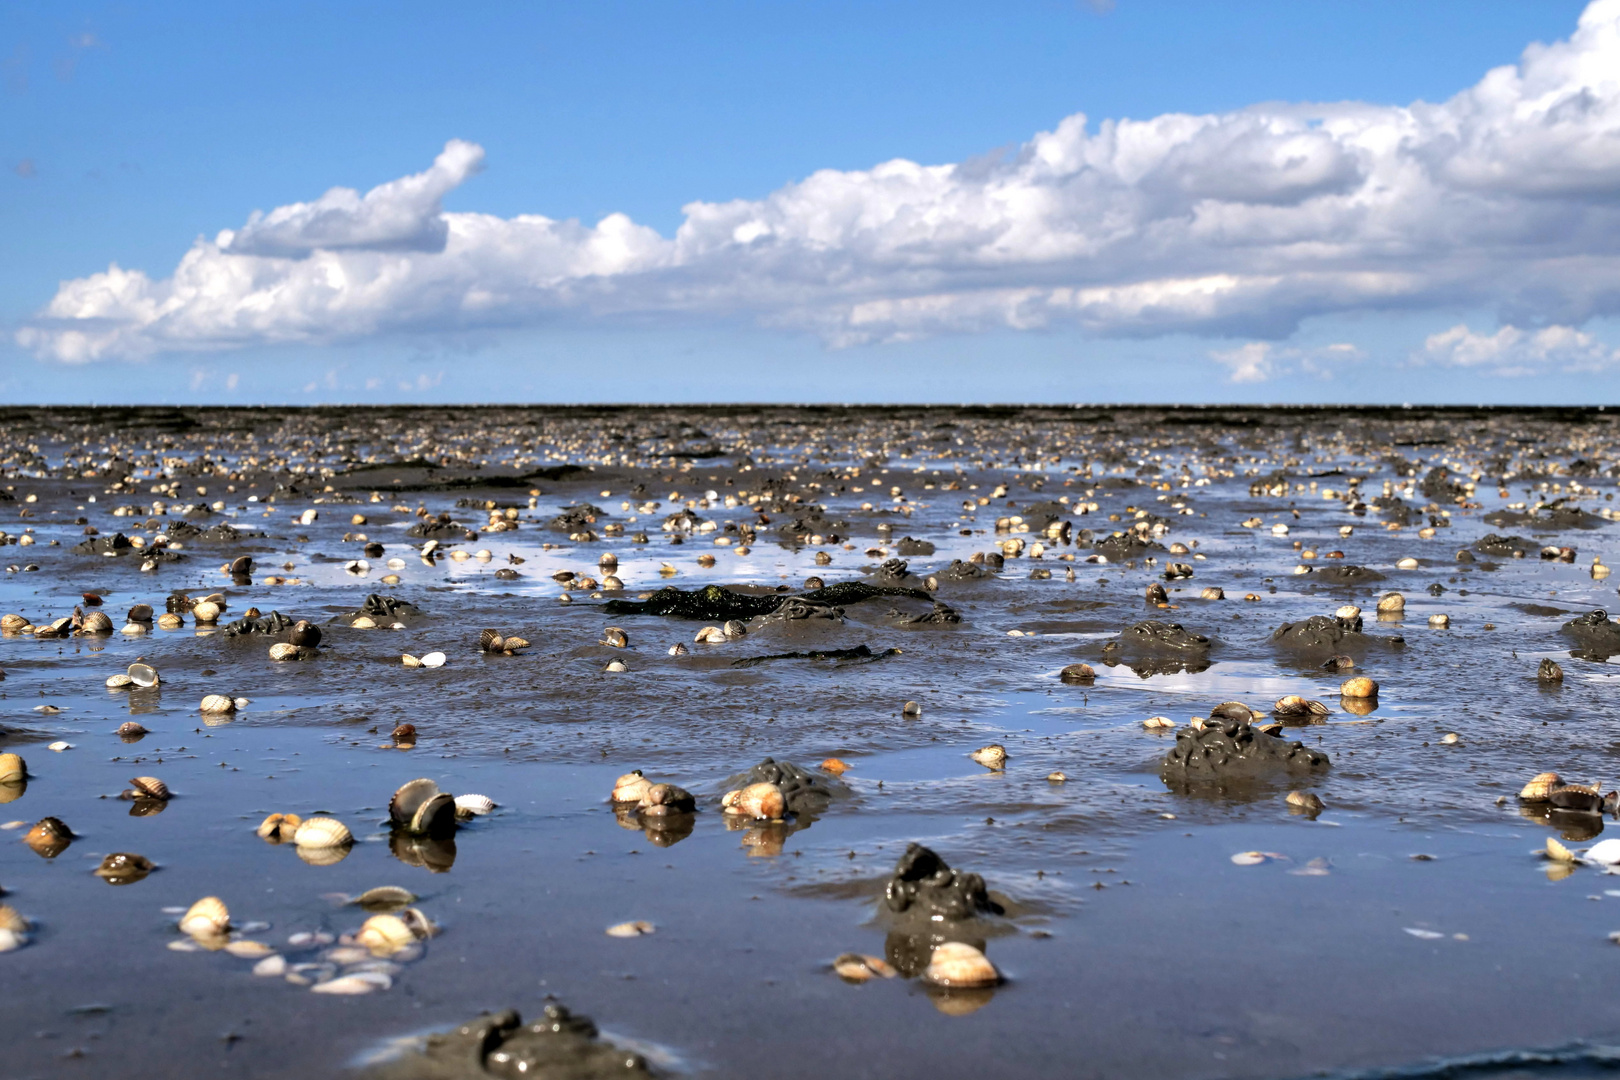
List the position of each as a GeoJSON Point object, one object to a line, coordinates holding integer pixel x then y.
{"type": "Point", "coordinates": [208, 917]}
{"type": "Point", "coordinates": [911, 708]}
{"type": "Point", "coordinates": [384, 934]}
{"type": "Point", "coordinates": [1233, 710]}
{"type": "Point", "coordinates": [631, 787]}
{"type": "Point", "coordinates": [1407, 563]}
{"type": "Point", "coordinates": [1451, 738]}
{"type": "Point", "coordinates": [11, 919]}
{"type": "Point", "coordinates": [710, 635]}
{"type": "Point", "coordinates": [97, 623]}
{"type": "Point", "coordinates": [404, 733]}
{"type": "Point", "coordinates": [1348, 612]}
{"type": "Point", "coordinates": [1158, 723]}
{"type": "Point", "coordinates": [1548, 671]}
{"type": "Point", "coordinates": [993, 756]}
{"type": "Point", "coordinates": [133, 629]}
{"type": "Point", "coordinates": [664, 799]}
{"type": "Point", "coordinates": [1576, 797]}
{"type": "Point", "coordinates": [834, 766]}
{"type": "Point", "coordinates": [473, 805]}
{"type": "Point", "coordinates": [11, 624]}
{"type": "Point", "coordinates": [12, 769]}
{"type": "Point", "coordinates": [170, 621]}
{"type": "Point", "coordinates": [140, 613]}
{"type": "Point", "coordinates": [282, 650]}
{"type": "Point", "coordinates": [271, 967]}
{"type": "Point", "coordinates": [1606, 852]}
{"type": "Point", "coordinates": [1291, 705]}
{"type": "Point", "coordinates": [304, 634]}
{"type": "Point", "coordinates": [123, 868]}
{"type": "Point", "coordinates": [1558, 852]}
{"type": "Point", "coordinates": [385, 898]}
{"type": "Point", "coordinates": [217, 703]}
{"type": "Point", "coordinates": [1212, 592]}
{"type": "Point", "coordinates": [322, 856]}
{"type": "Point", "coordinates": [205, 611]}
{"type": "Point", "coordinates": [144, 676]}
{"type": "Point", "coordinates": [761, 802]}
{"type": "Point", "coordinates": [613, 583]}
{"type": "Point", "coordinates": [514, 644]}
{"type": "Point", "coordinates": [322, 832]}
{"type": "Point", "coordinates": [59, 745]}
{"type": "Point", "coordinates": [630, 929]}
{"type": "Point", "coordinates": [1391, 603]}
{"type": "Point", "coordinates": [364, 622]}
{"type": "Point", "coordinates": [361, 982]}
{"type": "Point", "coordinates": [678, 649]}
{"type": "Point", "coordinates": [129, 729]}
{"type": "Point", "coordinates": [1439, 622]}
{"type": "Point", "coordinates": [734, 629]}
{"type": "Point", "coordinates": [49, 837]}
{"type": "Point", "coordinates": [856, 968]}
{"type": "Point", "coordinates": [410, 661]}
{"type": "Point", "coordinates": [615, 638]}
{"type": "Point", "coordinates": [616, 666]}
{"type": "Point", "coordinates": [1359, 687]}
{"type": "Point", "coordinates": [1082, 674]}
{"type": "Point", "coordinates": [608, 560]}
{"type": "Point", "coordinates": [119, 681]}
{"type": "Point", "coordinates": [1306, 801]}
{"type": "Point", "coordinates": [491, 641]}
{"type": "Point", "coordinates": [420, 808]}
{"type": "Point", "coordinates": [1057, 778]}
{"type": "Point", "coordinates": [249, 950]}
{"type": "Point", "coordinates": [150, 787]}
{"type": "Point", "coordinates": [278, 828]}
{"type": "Point", "coordinates": [419, 923]}
{"type": "Point", "coordinates": [433, 659]}
{"type": "Point", "coordinates": [956, 963]}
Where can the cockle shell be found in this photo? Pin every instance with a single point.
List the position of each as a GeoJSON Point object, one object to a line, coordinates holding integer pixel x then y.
{"type": "Point", "coordinates": [12, 623]}
{"type": "Point", "coordinates": [993, 756]}
{"type": "Point", "coordinates": [385, 898]}
{"type": "Point", "coordinates": [1359, 687]}
{"type": "Point", "coordinates": [119, 681]}
{"type": "Point", "coordinates": [281, 650]}
{"type": "Point", "coordinates": [1539, 787]}
{"type": "Point", "coordinates": [631, 787]}
{"type": "Point", "coordinates": [123, 868]}
{"type": "Point", "coordinates": [170, 620]}
{"type": "Point", "coordinates": [666, 799]}
{"type": "Point", "coordinates": [97, 623]}
{"type": "Point", "coordinates": [1082, 674]}
{"type": "Point", "coordinates": [1558, 852]}
{"type": "Point", "coordinates": [208, 917]}
{"type": "Point", "coordinates": [322, 832]}
{"type": "Point", "coordinates": [361, 982]}
{"type": "Point", "coordinates": [678, 649]}
{"type": "Point", "coordinates": [130, 729]}
{"type": "Point", "coordinates": [384, 934]}
{"type": "Point", "coordinates": [1212, 592]}
{"type": "Point", "coordinates": [1391, 603]}
{"type": "Point", "coordinates": [856, 968]}
{"type": "Point", "coordinates": [956, 963]}
{"type": "Point", "coordinates": [217, 703]}
{"type": "Point", "coordinates": [616, 666]}
{"type": "Point", "coordinates": [279, 827]}
{"type": "Point", "coordinates": [761, 802]}
{"type": "Point", "coordinates": [1158, 723]}
{"type": "Point", "coordinates": [834, 766]}
{"type": "Point", "coordinates": [1305, 800]}
{"type": "Point", "coordinates": [420, 808]}
{"type": "Point", "coordinates": [49, 837]}
{"type": "Point", "coordinates": [12, 769]}
{"type": "Point", "coordinates": [143, 675]}
{"type": "Point", "coordinates": [491, 641]}
{"type": "Point", "coordinates": [639, 928]}
{"type": "Point", "coordinates": [615, 637]}
{"type": "Point", "coordinates": [1576, 797]}
{"type": "Point", "coordinates": [473, 805]}
{"type": "Point", "coordinates": [710, 635]}
{"type": "Point", "coordinates": [13, 929]}
{"type": "Point", "coordinates": [410, 661]}
{"type": "Point", "coordinates": [205, 611]}
{"type": "Point", "coordinates": [150, 787]}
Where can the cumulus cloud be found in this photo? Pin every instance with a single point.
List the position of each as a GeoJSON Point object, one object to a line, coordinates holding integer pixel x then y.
{"type": "Point", "coordinates": [1231, 225]}
{"type": "Point", "coordinates": [1513, 351]}
{"type": "Point", "coordinates": [1261, 361]}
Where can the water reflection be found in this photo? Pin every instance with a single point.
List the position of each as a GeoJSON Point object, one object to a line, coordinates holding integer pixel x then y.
{"type": "Point", "coordinates": [1576, 826]}
{"type": "Point", "coordinates": [13, 790]}
{"type": "Point", "coordinates": [433, 853]}
{"type": "Point", "coordinates": [662, 830]}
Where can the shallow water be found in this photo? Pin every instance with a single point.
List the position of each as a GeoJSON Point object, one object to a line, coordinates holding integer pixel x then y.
{"type": "Point", "coordinates": [1133, 944]}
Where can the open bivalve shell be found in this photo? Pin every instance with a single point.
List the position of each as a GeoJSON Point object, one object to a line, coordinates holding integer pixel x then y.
{"type": "Point", "coordinates": [143, 675]}
{"type": "Point", "coordinates": [421, 809]}
{"type": "Point", "coordinates": [279, 828]}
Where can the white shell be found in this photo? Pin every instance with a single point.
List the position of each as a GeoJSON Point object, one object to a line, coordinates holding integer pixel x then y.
{"type": "Point", "coordinates": [282, 650]}
{"type": "Point", "coordinates": [273, 966]}
{"type": "Point", "coordinates": [1605, 851]}
{"type": "Point", "coordinates": [630, 929]}
{"type": "Point", "coordinates": [363, 982]}
{"type": "Point", "coordinates": [322, 832]}
{"type": "Point", "coordinates": [118, 682]}
{"type": "Point", "coordinates": [384, 934]}
{"type": "Point", "coordinates": [217, 703]}
{"type": "Point", "coordinates": [474, 804]}
{"type": "Point", "coordinates": [208, 917]}
{"type": "Point", "coordinates": [433, 659]}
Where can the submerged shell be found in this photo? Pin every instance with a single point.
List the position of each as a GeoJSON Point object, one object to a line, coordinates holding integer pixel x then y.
{"type": "Point", "coordinates": [12, 769]}
{"type": "Point", "coordinates": [761, 802]}
{"type": "Point", "coordinates": [282, 650]}
{"type": "Point", "coordinates": [208, 917]}
{"type": "Point", "coordinates": [956, 963]}
{"type": "Point", "coordinates": [857, 968]}
{"type": "Point", "coordinates": [130, 729]}
{"type": "Point", "coordinates": [1078, 673]}
{"type": "Point", "coordinates": [1539, 787]}
{"type": "Point", "coordinates": [322, 832]}
{"type": "Point", "coordinates": [217, 703]}
{"type": "Point", "coordinates": [993, 756]}
{"type": "Point", "coordinates": [631, 787]}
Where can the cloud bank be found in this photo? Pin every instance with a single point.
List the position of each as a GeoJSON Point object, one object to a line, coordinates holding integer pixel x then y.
{"type": "Point", "coordinates": [1506, 197]}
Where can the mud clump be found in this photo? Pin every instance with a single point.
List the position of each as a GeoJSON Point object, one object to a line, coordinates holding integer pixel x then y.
{"type": "Point", "coordinates": [859, 654]}
{"type": "Point", "coordinates": [1155, 636]}
{"type": "Point", "coordinates": [273, 623]}
{"type": "Point", "coordinates": [924, 886]}
{"type": "Point", "coordinates": [559, 1045]}
{"type": "Point", "coordinates": [1348, 574]}
{"type": "Point", "coordinates": [1232, 748]}
{"type": "Point", "coordinates": [716, 603]}
{"type": "Point", "coordinates": [797, 609]}
{"type": "Point", "coordinates": [1122, 546]}
{"type": "Point", "coordinates": [1328, 633]}
{"type": "Point", "coordinates": [1597, 634]}
{"type": "Point", "coordinates": [378, 606]}
{"type": "Point", "coordinates": [1512, 547]}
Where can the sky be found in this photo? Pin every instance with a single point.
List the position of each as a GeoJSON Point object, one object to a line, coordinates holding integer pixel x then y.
{"type": "Point", "coordinates": [1038, 200]}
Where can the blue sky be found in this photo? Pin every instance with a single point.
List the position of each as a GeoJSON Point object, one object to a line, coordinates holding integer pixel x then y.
{"type": "Point", "coordinates": [1277, 222]}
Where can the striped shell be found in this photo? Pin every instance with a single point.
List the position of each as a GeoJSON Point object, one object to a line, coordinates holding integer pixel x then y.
{"type": "Point", "coordinates": [761, 802]}
{"type": "Point", "coordinates": [119, 681]}
{"type": "Point", "coordinates": [1576, 797]}
{"type": "Point", "coordinates": [150, 787]}
{"type": "Point", "coordinates": [205, 611]}
{"type": "Point", "coordinates": [514, 644]}
{"type": "Point", "coordinates": [217, 703]}
{"type": "Point", "coordinates": [993, 756]}
{"type": "Point", "coordinates": [322, 832]}
{"type": "Point", "coordinates": [12, 769]}
{"type": "Point", "coordinates": [11, 919]}
{"type": "Point", "coordinates": [856, 968]}
{"type": "Point", "coordinates": [281, 650]}
{"type": "Point", "coordinates": [410, 661]}
{"type": "Point", "coordinates": [491, 641]}
{"type": "Point", "coordinates": [955, 963]}
{"type": "Point", "coordinates": [631, 787]}
{"type": "Point", "coordinates": [1539, 787]}
{"type": "Point", "coordinates": [12, 623]}
{"type": "Point", "coordinates": [1359, 687]}
{"type": "Point", "coordinates": [97, 622]}
{"type": "Point", "coordinates": [473, 805]}
{"type": "Point", "coordinates": [208, 917]}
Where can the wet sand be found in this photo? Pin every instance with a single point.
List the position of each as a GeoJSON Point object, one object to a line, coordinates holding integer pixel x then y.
{"type": "Point", "coordinates": [1132, 943]}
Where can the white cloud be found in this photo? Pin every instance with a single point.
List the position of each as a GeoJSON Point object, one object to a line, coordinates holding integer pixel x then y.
{"type": "Point", "coordinates": [1512, 351]}
{"type": "Point", "coordinates": [1260, 361]}
{"type": "Point", "coordinates": [1231, 225]}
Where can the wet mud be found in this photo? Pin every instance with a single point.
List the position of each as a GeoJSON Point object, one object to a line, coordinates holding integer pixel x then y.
{"type": "Point", "coordinates": [292, 612]}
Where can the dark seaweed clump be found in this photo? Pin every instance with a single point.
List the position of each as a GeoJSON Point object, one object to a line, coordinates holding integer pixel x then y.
{"type": "Point", "coordinates": [1232, 747]}
{"type": "Point", "coordinates": [924, 885]}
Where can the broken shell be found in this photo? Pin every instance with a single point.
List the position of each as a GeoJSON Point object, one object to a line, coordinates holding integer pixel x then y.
{"type": "Point", "coordinates": [855, 968]}
{"type": "Point", "coordinates": [420, 808]}
{"type": "Point", "coordinates": [956, 963]}
{"type": "Point", "coordinates": [1084, 674]}
{"type": "Point", "coordinates": [763, 801]}
{"type": "Point", "coordinates": [384, 934]}
{"type": "Point", "coordinates": [631, 787]}
{"type": "Point", "coordinates": [281, 650]}
{"type": "Point", "coordinates": [278, 828]}
{"type": "Point", "coordinates": [1359, 687]}
{"type": "Point", "coordinates": [1306, 801]}
{"type": "Point", "coordinates": [321, 832]}
{"type": "Point", "coordinates": [12, 769]}
{"type": "Point", "coordinates": [993, 756]}
{"type": "Point", "coordinates": [615, 637]}
{"type": "Point", "coordinates": [473, 805]}
{"type": "Point", "coordinates": [150, 787]}
{"type": "Point", "coordinates": [208, 917]}
{"type": "Point", "coordinates": [1158, 723]}
{"type": "Point", "coordinates": [630, 929]}
{"type": "Point", "coordinates": [119, 681]}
